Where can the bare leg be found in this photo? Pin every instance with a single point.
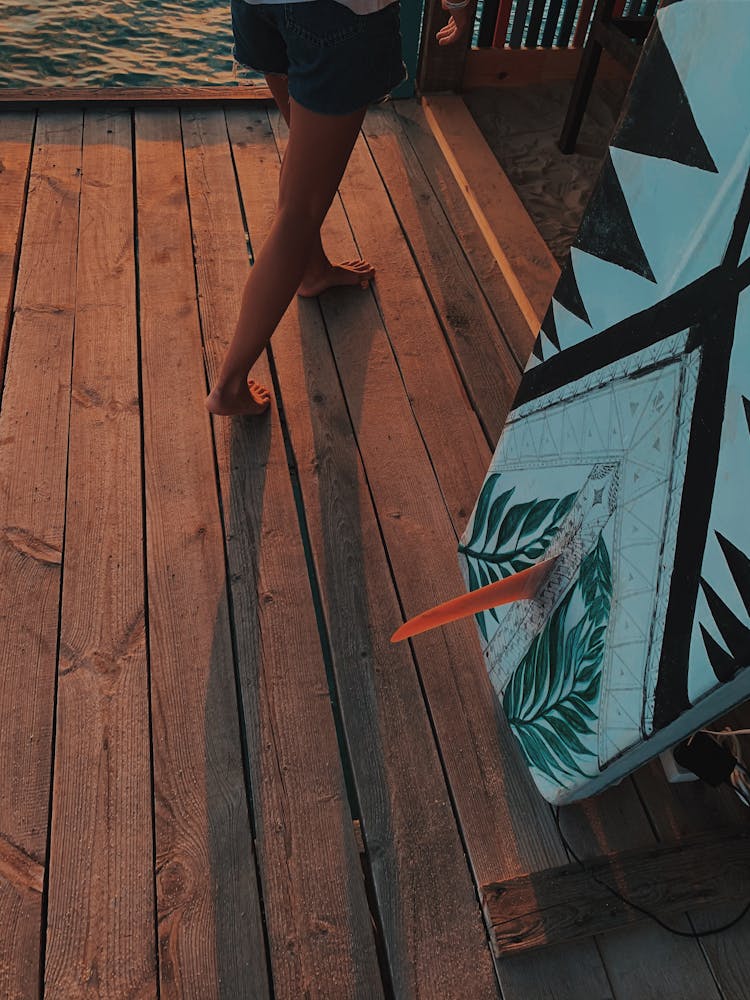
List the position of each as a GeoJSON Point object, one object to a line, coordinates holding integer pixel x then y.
{"type": "Point", "coordinates": [320, 273]}
{"type": "Point", "coordinates": [316, 157]}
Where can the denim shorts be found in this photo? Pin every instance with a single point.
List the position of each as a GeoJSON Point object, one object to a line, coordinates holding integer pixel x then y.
{"type": "Point", "coordinates": [336, 61]}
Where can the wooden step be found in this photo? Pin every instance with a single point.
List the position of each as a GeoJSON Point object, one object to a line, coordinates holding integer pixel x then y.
{"type": "Point", "coordinates": [523, 257]}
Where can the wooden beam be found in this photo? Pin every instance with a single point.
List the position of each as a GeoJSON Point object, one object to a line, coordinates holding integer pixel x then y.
{"type": "Point", "coordinates": [489, 370]}
{"type": "Point", "coordinates": [522, 255]}
{"type": "Point", "coordinates": [617, 44]}
{"type": "Point", "coordinates": [691, 808]}
{"type": "Point", "coordinates": [561, 904]}
{"type": "Point", "coordinates": [482, 261]}
{"type": "Point", "coordinates": [25, 97]}
{"type": "Point", "coordinates": [519, 67]}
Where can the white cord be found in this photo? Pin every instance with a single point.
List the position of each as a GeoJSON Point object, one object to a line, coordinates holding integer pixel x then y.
{"type": "Point", "coordinates": [727, 732]}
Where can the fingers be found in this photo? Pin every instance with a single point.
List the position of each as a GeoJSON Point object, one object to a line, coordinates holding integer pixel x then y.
{"type": "Point", "coordinates": [448, 34]}
{"type": "Point", "coordinates": [455, 27]}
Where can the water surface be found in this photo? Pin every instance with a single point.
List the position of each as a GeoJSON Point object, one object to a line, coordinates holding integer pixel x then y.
{"type": "Point", "coordinates": [128, 43]}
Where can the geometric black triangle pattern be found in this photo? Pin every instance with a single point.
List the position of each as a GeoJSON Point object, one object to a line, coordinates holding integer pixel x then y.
{"type": "Point", "coordinates": [658, 120]}
{"type": "Point", "coordinates": [739, 567]}
{"type": "Point", "coordinates": [548, 323]}
{"type": "Point", "coordinates": [607, 229]}
{"type": "Point", "coordinates": [536, 350]}
{"type": "Point", "coordinates": [722, 663]}
{"type": "Point", "coordinates": [568, 294]}
{"type": "Point", "coordinates": [733, 632]}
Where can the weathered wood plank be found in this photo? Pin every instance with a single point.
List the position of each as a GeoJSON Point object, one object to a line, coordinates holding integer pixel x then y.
{"type": "Point", "coordinates": [681, 810]}
{"type": "Point", "coordinates": [435, 390]}
{"type": "Point", "coordinates": [436, 946]}
{"type": "Point", "coordinates": [319, 925]}
{"type": "Point", "coordinates": [494, 287]}
{"type": "Point", "coordinates": [490, 785]}
{"type": "Point", "coordinates": [565, 903]}
{"type": "Point", "coordinates": [517, 67]}
{"type": "Point", "coordinates": [16, 131]}
{"type": "Point", "coordinates": [101, 847]}
{"type": "Point", "coordinates": [522, 255]}
{"type": "Point", "coordinates": [209, 934]}
{"type": "Point", "coordinates": [18, 98]}
{"type": "Point", "coordinates": [489, 371]}
{"type": "Point", "coordinates": [33, 448]}
{"type": "Point", "coordinates": [667, 965]}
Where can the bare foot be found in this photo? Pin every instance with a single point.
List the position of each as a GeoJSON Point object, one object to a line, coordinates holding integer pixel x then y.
{"type": "Point", "coordinates": [251, 400]}
{"type": "Point", "coordinates": [351, 272]}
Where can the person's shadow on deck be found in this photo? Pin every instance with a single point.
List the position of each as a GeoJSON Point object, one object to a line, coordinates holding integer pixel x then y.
{"type": "Point", "coordinates": [232, 734]}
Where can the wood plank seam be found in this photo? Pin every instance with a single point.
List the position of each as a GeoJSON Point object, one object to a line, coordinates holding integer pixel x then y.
{"type": "Point", "coordinates": [16, 131]}
{"type": "Point", "coordinates": [20, 98]}
{"type": "Point", "coordinates": [316, 592]}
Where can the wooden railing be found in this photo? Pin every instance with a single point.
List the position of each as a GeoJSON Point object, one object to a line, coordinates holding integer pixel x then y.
{"type": "Point", "coordinates": [515, 42]}
{"type": "Point", "coordinates": [543, 24]}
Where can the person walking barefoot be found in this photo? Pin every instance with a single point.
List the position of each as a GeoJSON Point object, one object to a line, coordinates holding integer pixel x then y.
{"type": "Point", "coordinates": [324, 62]}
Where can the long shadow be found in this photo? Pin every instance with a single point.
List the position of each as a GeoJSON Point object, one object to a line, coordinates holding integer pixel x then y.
{"type": "Point", "coordinates": [352, 613]}
{"type": "Point", "coordinates": [241, 972]}
{"type": "Point", "coordinates": [258, 531]}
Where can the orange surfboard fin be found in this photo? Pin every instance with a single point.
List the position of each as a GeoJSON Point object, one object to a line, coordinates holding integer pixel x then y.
{"type": "Point", "coordinates": [519, 587]}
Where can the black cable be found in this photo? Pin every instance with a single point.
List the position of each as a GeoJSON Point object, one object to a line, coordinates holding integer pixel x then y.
{"type": "Point", "coordinates": [635, 906]}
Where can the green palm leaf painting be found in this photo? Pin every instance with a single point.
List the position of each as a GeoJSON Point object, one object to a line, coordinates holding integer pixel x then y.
{"type": "Point", "coordinates": [507, 539]}
{"type": "Point", "coordinates": [552, 696]}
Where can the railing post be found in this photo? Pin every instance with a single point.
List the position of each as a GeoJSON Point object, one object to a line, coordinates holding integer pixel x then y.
{"type": "Point", "coordinates": [441, 67]}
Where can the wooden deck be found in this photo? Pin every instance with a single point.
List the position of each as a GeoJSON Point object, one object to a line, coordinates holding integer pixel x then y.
{"type": "Point", "coordinates": [217, 777]}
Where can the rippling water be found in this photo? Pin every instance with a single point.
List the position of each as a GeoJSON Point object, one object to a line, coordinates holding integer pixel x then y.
{"type": "Point", "coordinates": [128, 43]}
